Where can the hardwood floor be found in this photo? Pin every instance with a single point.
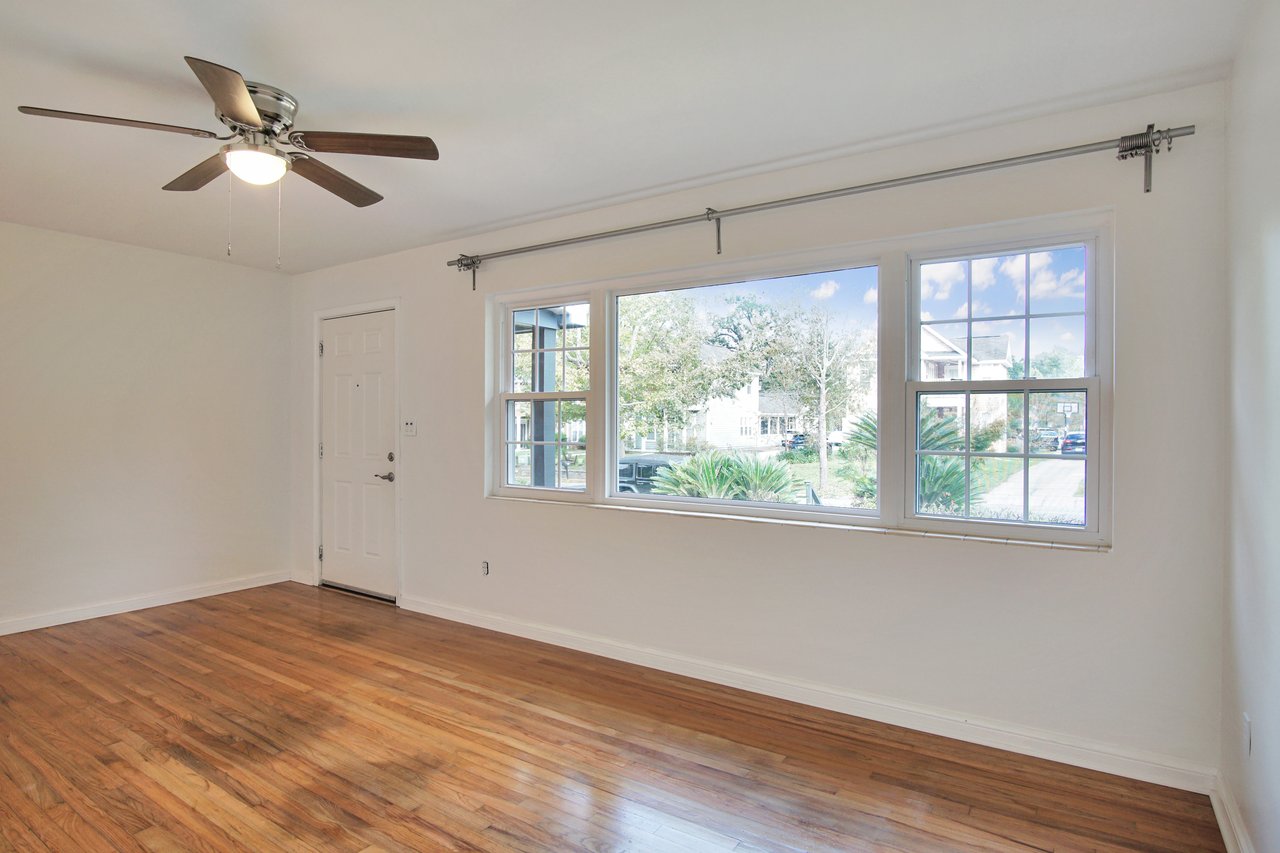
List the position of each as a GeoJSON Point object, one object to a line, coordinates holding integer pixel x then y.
{"type": "Point", "coordinates": [294, 718]}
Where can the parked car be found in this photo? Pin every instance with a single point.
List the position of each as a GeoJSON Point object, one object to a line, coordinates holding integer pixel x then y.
{"type": "Point", "coordinates": [1046, 439]}
{"type": "Point", "coordinates": [635, 473]}
{"type": "Point", "coordinates": [1073, 443]}
{"type": "Point", "coordinates": [835, 439]}
{"type": "Point", "coordinates": [799, 441]}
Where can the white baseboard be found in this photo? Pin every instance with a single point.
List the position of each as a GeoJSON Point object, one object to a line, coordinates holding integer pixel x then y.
{"type": "Point", "coordinates": [1147, 767]}
{"type": "Point", "coordinates": [1230, 821]}
{"type": "Point", "coordinates": [17, 624]}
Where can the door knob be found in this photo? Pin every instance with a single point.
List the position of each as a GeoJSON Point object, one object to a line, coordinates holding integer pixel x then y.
{"type": "Point", "coordinates": [389, 477]}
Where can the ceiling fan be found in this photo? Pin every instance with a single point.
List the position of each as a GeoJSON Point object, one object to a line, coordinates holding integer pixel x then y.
{"type": "Point", "coordinates": [260, 118]}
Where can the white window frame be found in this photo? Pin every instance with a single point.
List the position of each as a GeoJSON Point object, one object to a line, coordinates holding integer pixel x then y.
{"type": "Point", "coordinates": [1095, 383]}
{"type": "Point", "coordinates": [503, 379]}
{"type": "Point", "coordinates": [896, 365]}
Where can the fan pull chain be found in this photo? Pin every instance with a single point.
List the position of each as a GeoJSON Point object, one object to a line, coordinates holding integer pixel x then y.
{"type": "Point", "coordinates": [279, 207]}
{"type": "Point", "coordinates": [229, 183]}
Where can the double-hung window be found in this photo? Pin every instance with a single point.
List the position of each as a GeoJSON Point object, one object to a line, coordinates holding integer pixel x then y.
{"type": "Point", "coordinates": [545, 393]}
{"type": "Point", "coordinates": [788, 396]}
{"type": "Point", "coordinates": [1003, 393]}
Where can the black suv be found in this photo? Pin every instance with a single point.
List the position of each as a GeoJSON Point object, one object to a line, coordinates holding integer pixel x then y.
{"type": "Point", "coordinates": [635, 473]}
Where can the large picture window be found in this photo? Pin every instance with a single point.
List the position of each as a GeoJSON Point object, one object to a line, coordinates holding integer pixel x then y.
{"type": "Point", "coordinates": [757, 391]}
{"type": "Point", "coordinates": [964, 391]}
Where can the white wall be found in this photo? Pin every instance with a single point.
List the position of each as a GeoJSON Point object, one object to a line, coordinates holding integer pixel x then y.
{"type": "Point", "coordinates": [143, 446]}
{"type": "Point", "coordinates": [1113, 658]}
{"type": "Point", "coordinates": [1251, 680]}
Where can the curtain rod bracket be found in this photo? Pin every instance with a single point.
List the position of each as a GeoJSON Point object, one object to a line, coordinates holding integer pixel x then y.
{"type": "Point", "coordinates": [1145, 145]}
{"type": "Point", "coordinates": [468, 263]}
{"type": "Point", "coordinates": [713, 217]}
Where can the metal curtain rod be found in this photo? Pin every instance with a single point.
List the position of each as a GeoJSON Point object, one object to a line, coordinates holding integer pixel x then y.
{"type": "Point", "coordinates": [1143, 145]}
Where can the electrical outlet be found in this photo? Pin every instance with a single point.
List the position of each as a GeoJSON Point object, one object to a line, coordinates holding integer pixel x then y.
{"type": "Point", "coordinates": [409, 428]}
{"type": "Point", "coordinates": [484, 568]}
{"type": "Point", "coordinates": [1246, 734]}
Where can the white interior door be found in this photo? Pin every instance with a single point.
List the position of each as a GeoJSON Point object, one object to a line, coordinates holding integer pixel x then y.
{"type": "Point", "coordinates": [357, 463]}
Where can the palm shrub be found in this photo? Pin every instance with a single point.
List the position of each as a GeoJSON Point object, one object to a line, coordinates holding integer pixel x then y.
{"type": "Point", "coordinates": [940, 480]}
{"type": "Point", "coordinates": [704, 475]}
{"type": "Point", "coordinates": [728, 476]}
{"type": "Point", "coordinates": [765, 480]}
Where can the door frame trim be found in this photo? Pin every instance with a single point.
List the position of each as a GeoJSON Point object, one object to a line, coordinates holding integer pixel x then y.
{"type": "Point", "coordinates": [317, 487]}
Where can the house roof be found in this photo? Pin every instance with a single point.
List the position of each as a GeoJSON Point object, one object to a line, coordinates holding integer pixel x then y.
{"type": "Point", "coordinates": [779, 403]}
{"type": "Point", "coordinates": [936, 346]}
{"type": "Point", "coordinates": [991, 348]}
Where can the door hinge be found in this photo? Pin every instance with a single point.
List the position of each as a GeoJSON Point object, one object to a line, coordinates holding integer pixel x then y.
{"type": "Point", "coordinates": [322, 450]}
{"type": "Point", "coordinates": [322, 349]}
{"type": "Point", "coordinates": [322, 553]}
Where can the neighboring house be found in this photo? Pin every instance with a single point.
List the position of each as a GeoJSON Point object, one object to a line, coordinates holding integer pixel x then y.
{"type": "Point", "coordinates": [756, 420]}
{"type": "Point", "coordinates": [943, 358]}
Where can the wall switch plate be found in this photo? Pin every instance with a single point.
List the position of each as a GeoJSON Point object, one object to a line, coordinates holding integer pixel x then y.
{"type": "Point", "coordinates": [409, 428]}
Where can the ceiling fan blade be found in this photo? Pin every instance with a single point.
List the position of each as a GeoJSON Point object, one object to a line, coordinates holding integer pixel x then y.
{"type": "Point", "coordinates": [125, 122]}
{"type": "Point", "coordinates": [377, 144]}
{"type": "Point", "coordinates": [228, 91]}
{"type": "Point", "coordinates": [335, 182]}
{"type": "Point", "coordinates": [201, 174]}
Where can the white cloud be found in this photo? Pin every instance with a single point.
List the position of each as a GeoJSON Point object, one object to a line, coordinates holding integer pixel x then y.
{"type": "Point", "coordinates": [961, 312]}
{"type": "Point", "coordinates": [871, 296]}
{"type": "Point", "coordinates": [925, 315]}
{"type": "Point", "coordinates": [1014, 266]}
{"type": "Point", "coordinates": [936, 280]}
{"type": "Point", "coordinates": [983, 272]}
{"type": "Point", "coordinates": [826, 290]}
{"type": "Point", "coordinates": [1046, 285]}
{"type": "Point", "coordinates": [1067, 337]}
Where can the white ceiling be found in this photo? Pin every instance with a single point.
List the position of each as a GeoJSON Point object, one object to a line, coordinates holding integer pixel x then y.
{"type": "Point", "coordinates": [537, 107]}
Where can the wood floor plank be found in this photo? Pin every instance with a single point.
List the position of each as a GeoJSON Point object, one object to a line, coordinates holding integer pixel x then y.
{"type": "Point", "coordinates": [290, 717]}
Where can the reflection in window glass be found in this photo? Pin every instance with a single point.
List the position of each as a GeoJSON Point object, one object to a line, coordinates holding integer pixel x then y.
{"type": "Point", "coordinates": [758, 391]}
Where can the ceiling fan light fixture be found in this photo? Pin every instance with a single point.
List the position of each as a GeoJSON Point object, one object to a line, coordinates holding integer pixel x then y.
{"type": "Point", "coordinates": [255, 164]}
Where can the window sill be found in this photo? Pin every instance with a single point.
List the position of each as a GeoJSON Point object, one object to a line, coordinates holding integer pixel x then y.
{"type": "Point", "coordinates": [830, 525]}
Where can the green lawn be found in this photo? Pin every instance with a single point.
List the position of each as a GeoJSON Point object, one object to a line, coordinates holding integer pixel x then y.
{"type": "Point", "coordinates": [987, 473]}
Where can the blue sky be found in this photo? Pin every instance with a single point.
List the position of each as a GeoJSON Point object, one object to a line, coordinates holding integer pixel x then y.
{"type": "Point", "coordinates": [849, 295]}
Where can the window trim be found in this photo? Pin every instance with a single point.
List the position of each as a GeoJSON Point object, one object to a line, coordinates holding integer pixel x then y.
{"type": "Point", "coordinates": [897, 258]}
{"type": "Point", "coordinates": [1096, 383]}
{"type": "Point", "coordinates": [503, 375]}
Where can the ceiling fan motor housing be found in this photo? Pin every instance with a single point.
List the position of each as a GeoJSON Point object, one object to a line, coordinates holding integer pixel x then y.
{"type": "Point", "coordinates": [276, 106]}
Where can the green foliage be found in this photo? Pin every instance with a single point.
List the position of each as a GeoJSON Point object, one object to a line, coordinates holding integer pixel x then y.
{"type": "Point", "coordinates": [800, 455]}
{"type": "Point", "coordinates": [865, 486]}
{"type": "Point", "coordinates": [765, 479]}
{"type": "Point", "coordinates": [940, 484]}
{"type": "Point", "coordinates": [988, 435]}
{"type": "Point", "coordinates": [864, 434]}
{"type": "Point", "coordinates": [940, 432]}
{"type": "Point", "coordinates": [755, 333]}
{"type": "Point", "coordinates": [661, 374]}
{"type": "Point", "coordinates": [940, 479]}
{"type": "Point", "coordinates": [716, 474]}
{"type": "Point", "coordinates": [1049, 365]}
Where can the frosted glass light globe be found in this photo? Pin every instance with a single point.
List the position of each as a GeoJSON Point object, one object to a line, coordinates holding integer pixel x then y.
{"type": "Point", "coordinates": [255, 164]}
